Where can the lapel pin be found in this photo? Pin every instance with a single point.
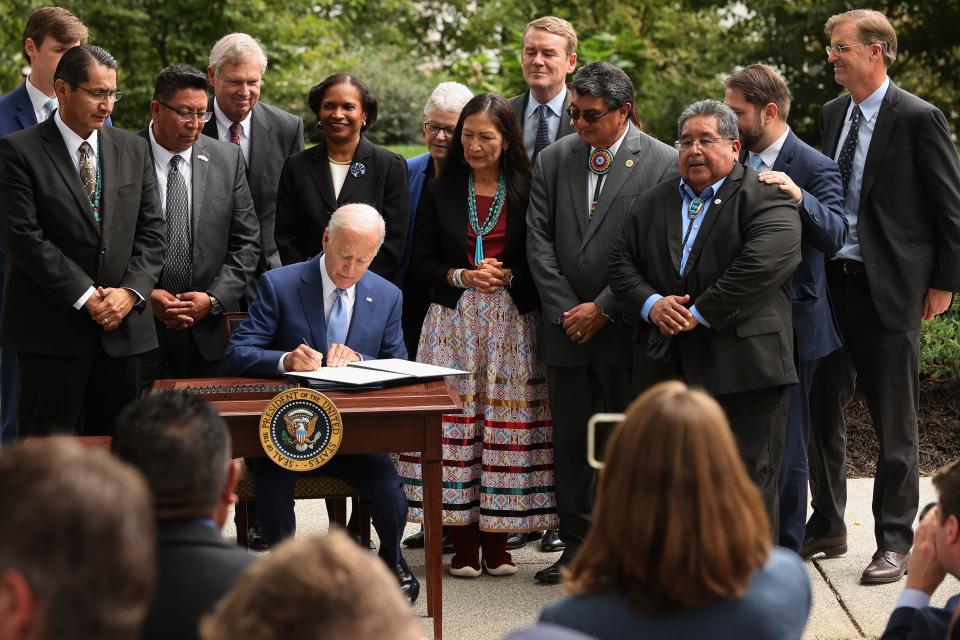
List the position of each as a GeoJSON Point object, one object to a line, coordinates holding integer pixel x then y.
{"type": "Point", "coordinates": [200, 156]}
{"type": "Point", "coordinates": [629, 163]}
{"type": "Point", "coordinates": [717, 201]}
{"type": "Point", "coordinates": [357, 169]}
{"type": "Point", "coordinates": [368, 299]}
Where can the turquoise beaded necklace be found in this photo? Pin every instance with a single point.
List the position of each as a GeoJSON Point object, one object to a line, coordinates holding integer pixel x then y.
{"type": "Point", "coordinates": [492, 215]}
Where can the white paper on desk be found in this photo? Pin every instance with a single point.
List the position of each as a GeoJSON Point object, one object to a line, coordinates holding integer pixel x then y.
{"type": "Point", "coordinates": [349, 375]}
{"type": "Point", "coordinates": [406, 367]}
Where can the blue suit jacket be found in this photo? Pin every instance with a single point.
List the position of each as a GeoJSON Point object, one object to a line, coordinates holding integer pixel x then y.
{"type": "Point", "coordinates": [289, 309]}
{"type": "Point", "coordinates": [824, 232]}
{"type": "Point", "coordinates": [16, 111]}
{"type": "Point", "coordinates": [928, 623]}
{"type": "Point", "coordinates": [415, 179]}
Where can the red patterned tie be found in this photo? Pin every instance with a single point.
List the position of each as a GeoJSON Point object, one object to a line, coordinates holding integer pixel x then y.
{"type": "Point", "coordinates": [235, 130]}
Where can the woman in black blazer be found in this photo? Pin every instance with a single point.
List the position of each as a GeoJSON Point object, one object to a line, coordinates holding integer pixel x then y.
{"type": "Point", "coordinates": [469, 249]}
{"type": "Point", "coordinates": [344, 167]}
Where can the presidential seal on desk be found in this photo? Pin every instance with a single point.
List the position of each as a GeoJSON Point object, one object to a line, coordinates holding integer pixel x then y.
{"type": "Point", "coordinates": [300, 429]}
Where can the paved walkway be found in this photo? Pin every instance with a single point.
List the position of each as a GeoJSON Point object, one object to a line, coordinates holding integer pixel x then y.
{"type": "Point", "coordinates": [489, 607]}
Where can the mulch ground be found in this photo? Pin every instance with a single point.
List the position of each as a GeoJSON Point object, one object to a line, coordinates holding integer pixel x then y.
{"type": "Point", "coordinates": [939, 425]}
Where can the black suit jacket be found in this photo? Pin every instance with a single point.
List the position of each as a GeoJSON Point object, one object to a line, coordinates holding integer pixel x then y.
{"type": "Point", "coordinates": [305, 202]}
{"type": "Point", "coordinates": [195, 568]}
{"type": "Point", "coordinates": [928, 623]}
{"type": "Point", "coordinates": [56, 250]}
{"type": "Point", "coordinates": [225, 233]}
{"type": "Point", "coordinates": [440, 243]}
{"type": "Point", "coordinates": [737, 275]}
{"type": "Point", "coordinates": [275, 135]}
{"type": "Point", "coordinates": [909, 217]}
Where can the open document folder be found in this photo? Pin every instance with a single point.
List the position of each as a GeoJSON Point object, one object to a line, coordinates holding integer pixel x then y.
{"type": "Point", "coordinates": [371, 374]}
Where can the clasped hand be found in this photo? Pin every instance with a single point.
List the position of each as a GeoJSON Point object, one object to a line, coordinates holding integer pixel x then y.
{"type": "Point", "coordinates": [181, 311]}
{"type": "Point", "coordinates": [670, 315]}
{"type": "Point", "coordinates": [487, 277]}
{"type": "Point", "coordinates": [583, 322]}
{"type": "Point", "coordinates": [108, 306]}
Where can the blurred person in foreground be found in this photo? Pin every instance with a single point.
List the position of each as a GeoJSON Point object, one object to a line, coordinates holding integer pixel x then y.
{"type": "Point", "coordinates": [936, 552]}
{"type": "Point", "coordinates": [470, 249]}
{"type": "Point", "coordinates": [314, 587]}
{"type": "Point", "coordinates": [680, 543]}
{"type": "Point", "coordinates": [76, 544]}
{"type": "Point", "coordinates": [181, 445]}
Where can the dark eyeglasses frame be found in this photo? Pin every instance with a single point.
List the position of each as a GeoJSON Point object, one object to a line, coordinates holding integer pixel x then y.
{"type": "Point", "coordinates": [575, 114]}
{"type": "Point", "coordinates": [187, 116]}
{"type": "Point", "coordinates": [100, 96]}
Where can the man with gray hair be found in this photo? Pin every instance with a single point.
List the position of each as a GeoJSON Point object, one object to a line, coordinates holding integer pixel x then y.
{"type": "Point", "coordinates": [702, 271]}
{"type": "Point", "coordinates": [582, 188]}
{"type": "Point", "coordinates": [266, 135]}
{"type": "Point", "coordinates": [329, 310]}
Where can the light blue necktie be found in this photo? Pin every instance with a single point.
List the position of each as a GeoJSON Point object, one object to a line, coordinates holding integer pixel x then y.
{"type": "Point", "coordinates": [755, 162]}
{"type": "Point", "coordinates": [338, 324]}
{"type": "Point", "coordinates": [49, 107]}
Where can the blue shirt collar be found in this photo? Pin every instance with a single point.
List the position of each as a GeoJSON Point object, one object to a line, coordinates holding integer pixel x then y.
{"type": "Point", "coordinates": [687, 192]}
{"type": "Point", "coordinates": [555, 105]}
{"type": "Point", "coordinates": [871, 105]}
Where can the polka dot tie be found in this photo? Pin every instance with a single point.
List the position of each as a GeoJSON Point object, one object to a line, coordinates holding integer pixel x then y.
{"type": "Point", "coordinates": [178, 264]}
{"type": "Point", "coordinates": [845, 160]}
{"type": "Point", "coordinates": [543, 131]}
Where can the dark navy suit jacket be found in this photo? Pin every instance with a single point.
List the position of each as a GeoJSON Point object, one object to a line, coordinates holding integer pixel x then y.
{"type": "Point", "coordinates": [928, 623]}
{"type": "Point", "coordinates": [824, 232]}
{"type": "Point", "coordinates": [289, 309]}
{"type": "Point", "coordinates": [16, 111]}
{"type": "Point", "coordinates": [415, 180]}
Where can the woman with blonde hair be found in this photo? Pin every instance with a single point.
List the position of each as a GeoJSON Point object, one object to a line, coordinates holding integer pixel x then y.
{"type": "Point", "coordinates": [680, 542]}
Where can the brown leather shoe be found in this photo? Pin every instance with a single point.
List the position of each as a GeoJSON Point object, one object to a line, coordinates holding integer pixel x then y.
{"type": "Point", "coordinates": [887, 566]}
{"type": "Point", "coordinates": [829, 547]}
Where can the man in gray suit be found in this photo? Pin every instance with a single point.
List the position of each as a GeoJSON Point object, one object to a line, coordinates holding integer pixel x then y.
{"type": "Point", "coordinates": [549, 54]}
{"type": "Point", "coordinates": [266, 135]}
{"type": "Point", "coordinates": [582, 188]}
{"type": "Point", "coordinates": [212, 230]}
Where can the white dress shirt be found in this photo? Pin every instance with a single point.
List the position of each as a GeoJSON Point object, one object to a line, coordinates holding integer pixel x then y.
{"type": "Point", "coordinates": [73, 141]}
{"type": "Point", "coordinates": [592, 177]}
{"type": "Point", "coordinates": [161, 166]}
{"type": "Point", "coordinates": [223, 130]}
{"type": "Point", "coordinates": [38, 99]}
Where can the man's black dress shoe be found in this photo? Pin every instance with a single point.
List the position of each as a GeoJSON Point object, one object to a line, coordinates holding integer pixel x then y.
{"type": "Point", "coordinates": [551, 542]}
{"type": "Point", "coordinates": [418, 540]}
{"type": "Point", "coordinates": [516, 541]}
{"type": "Point", "coordinates": [408, 582]}
{"type": "Point", "coordinates": [829, 547]}
{"type": "Point", "coordinates": [551, 575]}
{"type": "Point", "coordinates": [887, 566]}
{"type": "Point", "coordinates": [256, 540]}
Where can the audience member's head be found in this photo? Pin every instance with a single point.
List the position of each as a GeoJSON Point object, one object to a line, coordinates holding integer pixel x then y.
{"type": "Point", "coordinates": [76, 543]}
{"type": "Point", "coordinates": [677, 523]}
{"type": "Point", "coordinates": [182, 446]}
{"type": "Point", "coordinates": [311, 587]}
{"type": "Point", "coordinates": [947, 542]}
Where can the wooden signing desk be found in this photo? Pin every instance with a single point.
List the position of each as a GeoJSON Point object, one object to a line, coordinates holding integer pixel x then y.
{"type": "Point", "coordinates": [395, 419]}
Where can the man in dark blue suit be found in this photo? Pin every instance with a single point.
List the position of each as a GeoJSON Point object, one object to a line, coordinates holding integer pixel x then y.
{"type": "Point", "coordinates": [936, 552]}
{"type": "Point", "coordinates": [761, 100]}
{"type": "Point", "coordinates": [328, 310]}
{"type": "Point", "coordinates": [50, 31]}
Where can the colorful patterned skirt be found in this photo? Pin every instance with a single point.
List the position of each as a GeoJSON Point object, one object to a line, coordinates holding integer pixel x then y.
{"type": "Point", "coordinates": [497, 453]}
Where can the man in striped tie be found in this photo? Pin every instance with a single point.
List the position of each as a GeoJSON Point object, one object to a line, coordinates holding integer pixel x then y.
{"type": "Point", "coordinates": [50, 31]}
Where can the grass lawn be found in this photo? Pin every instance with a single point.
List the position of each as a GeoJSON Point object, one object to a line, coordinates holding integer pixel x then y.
{"type": "Point", "coordinates": [407, 150]}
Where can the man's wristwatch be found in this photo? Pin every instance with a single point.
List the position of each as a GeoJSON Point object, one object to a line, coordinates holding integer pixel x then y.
{"type": "Point", "coordinates": [216, 308]}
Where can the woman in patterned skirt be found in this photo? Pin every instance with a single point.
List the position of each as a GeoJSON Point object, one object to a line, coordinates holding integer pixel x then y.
{"type": "Point", "coordinates": [469, 248]}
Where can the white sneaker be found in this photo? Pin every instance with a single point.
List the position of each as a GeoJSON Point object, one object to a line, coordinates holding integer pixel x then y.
{"type": "Point", "coordinates": [505, 569]}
